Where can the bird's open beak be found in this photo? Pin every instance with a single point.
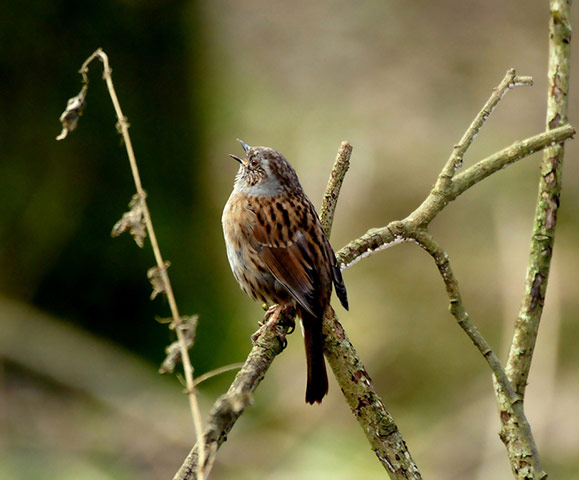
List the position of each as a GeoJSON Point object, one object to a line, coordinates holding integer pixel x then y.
{"type": "Point", "coordinates": [240, 160]}
{"type": "Point", "coordinates": [245, 146]}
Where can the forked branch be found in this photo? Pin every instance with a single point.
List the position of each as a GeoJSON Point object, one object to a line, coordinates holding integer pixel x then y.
{"type": "Point", "coordinates": [518, 438]}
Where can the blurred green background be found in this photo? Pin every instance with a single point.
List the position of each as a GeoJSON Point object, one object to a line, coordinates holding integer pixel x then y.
{"type": "Point", "coordinates": [79, 345]}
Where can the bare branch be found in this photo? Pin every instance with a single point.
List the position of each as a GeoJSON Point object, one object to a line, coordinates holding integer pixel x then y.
{"type": "Point", "coordinates": [330, 200]}
{"type": "Point", "coordinates": [518, 437]}
{"type": "Point", "coordinates": [529, 317]}
{"type": "Point", "coordinates": [509, 155]}
{"type": "Point", "coordinates": [458, 311]}
{"type": "Point", "coordinates": [229, 407]}
{"type": "Point", "coordinates": [367, 407]}
{"type": "Point", "coordinates": [455, 161]}
{"type": "Point", "coordinates": [522, 455]}
{"type": "Point", "coordinates": [378, 239]}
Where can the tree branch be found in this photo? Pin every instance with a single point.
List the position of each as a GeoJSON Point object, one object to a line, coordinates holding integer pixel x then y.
{"type": "Point", "coordinates": [378, 239]}
{"type": "Point", "coordinates": [443, 184]}
{"type": "Point", "coordinates": [527, 324]}
{"type": "Point", "coordinates": [368, 408]}
{"type": "Point", "coordinates": [330, 200]}
{"type": "Point", "coordinates": [509, 155]}
{"type": "Point", "coordinates": [458, 311]}
{"type": "Point", "coordinates": [229, 407]}
{"type": "Point", "coordinates": [366, 405]}
{"type": "Point", "coordinates": [455, 161]}
{"type": "Point", "coordinates": [522, 455]}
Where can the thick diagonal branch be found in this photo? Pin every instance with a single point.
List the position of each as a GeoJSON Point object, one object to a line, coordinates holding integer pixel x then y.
{"type": "Point", "coordinates": [368, 408]}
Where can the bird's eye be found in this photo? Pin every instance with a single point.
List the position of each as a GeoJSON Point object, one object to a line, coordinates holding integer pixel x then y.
{"type": "Point", "coordinates": [253, 163]}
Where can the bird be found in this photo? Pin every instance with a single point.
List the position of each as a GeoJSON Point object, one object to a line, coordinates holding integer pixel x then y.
{"type": "Point", "coordinates": [279, 253]}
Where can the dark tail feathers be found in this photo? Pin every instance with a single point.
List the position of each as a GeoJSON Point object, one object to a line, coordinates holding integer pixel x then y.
{"type": "Point", "coordinates": [317, 380]}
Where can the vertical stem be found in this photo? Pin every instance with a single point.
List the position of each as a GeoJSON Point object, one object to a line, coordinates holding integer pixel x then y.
{"type": "Point", "coordinates": [123, 127]}
{"type": "Point", "coordinates": [527, 323]}
{"type": "Point", "coordinates": [523, 456]}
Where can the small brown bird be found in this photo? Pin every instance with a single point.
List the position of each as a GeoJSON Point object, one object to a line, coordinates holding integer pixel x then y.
{"type": "Point", "coordinates": [278, 251]}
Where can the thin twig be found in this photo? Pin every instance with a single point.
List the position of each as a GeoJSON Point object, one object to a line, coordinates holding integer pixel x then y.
{"type": "Point", "coordinates": [444, 182]}
{"type": "Point", "coordinates": [217, 371]}
{"type": "Point", "coordinates": [456, 157]}
{"type": "Point", "coordinates": [123, 127]}
{"type": "Point", "coordinates": [458, 311]}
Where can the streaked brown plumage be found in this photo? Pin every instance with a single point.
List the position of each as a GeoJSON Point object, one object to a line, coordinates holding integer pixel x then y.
{"type": "Point", "coordinates": [278, 251]}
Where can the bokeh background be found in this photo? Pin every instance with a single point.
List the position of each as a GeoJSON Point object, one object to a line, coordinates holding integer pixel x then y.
{"type": "Point", "coordinates": [79, 345]}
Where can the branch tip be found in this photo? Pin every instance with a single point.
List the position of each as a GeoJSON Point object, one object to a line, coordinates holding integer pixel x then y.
{"type": "Point", "coordinates": [330, 199]}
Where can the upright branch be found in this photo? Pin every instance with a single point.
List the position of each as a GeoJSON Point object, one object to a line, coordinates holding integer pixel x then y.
{"type": "Point", "coordinates": [527, 323]}
{"type": "Point", "coordinates": [522, 455]}
{"type": "Point", "coordinates": [330, 199]}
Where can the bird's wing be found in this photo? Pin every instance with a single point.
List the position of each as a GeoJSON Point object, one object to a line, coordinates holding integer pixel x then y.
{"type": "Point", "coordinates": [339, 282]}
{"type": "Point", "coordinates": [287, 238]}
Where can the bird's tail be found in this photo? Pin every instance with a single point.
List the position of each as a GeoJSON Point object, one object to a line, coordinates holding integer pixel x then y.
{"type": "Point", "coordinates": [317, 380]}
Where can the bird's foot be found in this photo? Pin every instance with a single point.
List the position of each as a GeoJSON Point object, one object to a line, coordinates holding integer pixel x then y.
{"type": "Point", "coordinates": [288, 313]}
{"type": "Point", "coordinates": [271, 320]}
